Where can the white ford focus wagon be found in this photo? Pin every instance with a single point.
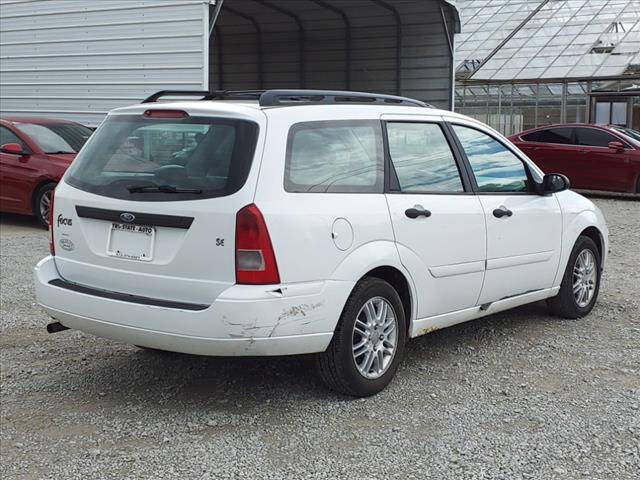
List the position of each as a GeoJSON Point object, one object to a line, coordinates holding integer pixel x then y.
{"type": "Point", "coordinates": [293, 222]}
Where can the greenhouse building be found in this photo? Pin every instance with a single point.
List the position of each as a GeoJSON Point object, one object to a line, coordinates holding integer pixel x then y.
{"type": "Point", "coordinates": [522, 64]}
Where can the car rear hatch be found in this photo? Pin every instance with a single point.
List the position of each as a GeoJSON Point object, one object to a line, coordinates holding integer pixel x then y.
{"type": "Point", "coordinates": [149, 206]}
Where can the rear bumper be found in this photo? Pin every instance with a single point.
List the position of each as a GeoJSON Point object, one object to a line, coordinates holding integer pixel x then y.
{"type": "Point", "coordinates": [243, 320]}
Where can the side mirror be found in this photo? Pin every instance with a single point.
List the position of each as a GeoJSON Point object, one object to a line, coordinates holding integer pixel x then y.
{"type": "Point", "coordinates": [617, 146]}
{"type": "Point", "coordinates": [555, 182]}
{"type": "Point", "coordinates": [12, 149]}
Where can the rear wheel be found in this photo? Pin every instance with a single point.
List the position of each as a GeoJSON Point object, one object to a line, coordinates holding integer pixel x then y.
{"type": "Point", "coordinates": [580, 283]}
{"type": "Point", "coordinates": [42, 203]}
{"type": "Point", "coordinates": [368, 343]}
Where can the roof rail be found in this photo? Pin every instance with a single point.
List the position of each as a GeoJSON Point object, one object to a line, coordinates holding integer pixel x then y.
{"type": "Point", "coordinates": [207, 95]}
{"type": "Point", "coordinates": [273, 98]}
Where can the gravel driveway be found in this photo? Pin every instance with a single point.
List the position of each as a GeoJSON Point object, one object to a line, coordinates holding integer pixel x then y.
{"type": "Point", "coordinates": [516, 395]}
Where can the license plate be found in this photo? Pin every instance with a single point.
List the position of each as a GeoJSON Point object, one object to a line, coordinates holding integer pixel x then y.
{"type": "Point", "coordinates": [133, 242]}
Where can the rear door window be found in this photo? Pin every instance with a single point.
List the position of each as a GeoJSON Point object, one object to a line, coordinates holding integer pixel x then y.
{"type": "Point", "coordinates": [342, 156]}
{"type": "Point", "coordinates": [150, 159]}
{"type": "Point", "coordinates": [562, 135]}
{"type": "Point", "coordinates": [422, 158]}
{"type": "Point", "coordinates": [594, 137]}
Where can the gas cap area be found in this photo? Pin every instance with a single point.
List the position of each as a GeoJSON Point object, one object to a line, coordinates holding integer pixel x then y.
{"type": "Point", "coordinates": [342, 233]}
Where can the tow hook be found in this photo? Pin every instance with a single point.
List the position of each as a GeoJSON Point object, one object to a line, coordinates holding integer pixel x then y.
{"type": "Point", "coordinates": [56, 327]}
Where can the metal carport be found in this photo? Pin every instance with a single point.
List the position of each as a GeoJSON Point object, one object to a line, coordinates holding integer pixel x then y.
{"type": "Point", "coordinates": [78, 59]}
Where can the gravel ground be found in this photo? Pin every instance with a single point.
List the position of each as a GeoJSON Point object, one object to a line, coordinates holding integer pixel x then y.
{"type": "Point", "coordinates": [516, 395]}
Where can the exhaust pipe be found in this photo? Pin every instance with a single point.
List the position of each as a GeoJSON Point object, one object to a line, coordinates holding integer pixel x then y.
{"type": "Point", "coordinates": [56, 327]}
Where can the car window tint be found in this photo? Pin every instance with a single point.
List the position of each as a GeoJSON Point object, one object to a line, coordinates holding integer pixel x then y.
{"type": "Point", "coordinates": [7, 136]}
{"type": "Point", "coordinates": [532, 137]}
{"type": "Point", "coordinates": [211, 155]}
{"type": "Point", "coordinates": [594, 137]}
{"type": "Point", "coordinates": [335, 156]}
{"type": "Point", "coordinates": [496, 168]}
{"type": "Point", "coordinates": [422, 158]}
{"type": "Point", "coordinates": [556, 135]}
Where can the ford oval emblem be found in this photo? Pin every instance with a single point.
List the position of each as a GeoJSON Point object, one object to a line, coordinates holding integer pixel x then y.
{"type": "Point", "coordinates": [127, 217]}
{"type": "Point", "coordinates": [66, 244]}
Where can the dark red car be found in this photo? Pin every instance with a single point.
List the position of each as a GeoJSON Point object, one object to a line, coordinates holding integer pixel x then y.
{"type": "Point", "coordinates": [594, 157]}
{"type": "Point", "coordinates": [34, 154]}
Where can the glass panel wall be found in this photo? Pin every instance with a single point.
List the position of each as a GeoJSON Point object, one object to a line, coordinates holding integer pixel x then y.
{"type": "Point", "coordinates": [513, 107]}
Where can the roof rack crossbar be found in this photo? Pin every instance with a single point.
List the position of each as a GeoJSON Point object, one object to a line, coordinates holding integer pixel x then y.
{"type": "Point", "coordinates": [273, 98]}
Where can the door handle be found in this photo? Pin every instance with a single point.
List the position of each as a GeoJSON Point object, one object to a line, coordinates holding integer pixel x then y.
{"type": "Point", "coordinates": [502, 212]}
{"type": "Point", "coordinates": [416, 212]}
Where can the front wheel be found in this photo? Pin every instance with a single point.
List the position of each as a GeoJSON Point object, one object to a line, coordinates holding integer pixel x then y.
{"type": "Point", "coordinates": [580, 283]}
{"type": "Point", "coordinates": [368, 343]}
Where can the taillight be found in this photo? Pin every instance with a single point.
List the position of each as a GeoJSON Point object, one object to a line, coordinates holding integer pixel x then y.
{"type": "Point", "coordinates": [255, 259]}
{"type": "Point", "coordinates": [52, 246]}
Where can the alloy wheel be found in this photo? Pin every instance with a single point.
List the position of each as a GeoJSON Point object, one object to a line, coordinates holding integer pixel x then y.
{"type": "Point", "coordinates": [375, 338]}
{"type": "Point", "coordinates": [584, 278]}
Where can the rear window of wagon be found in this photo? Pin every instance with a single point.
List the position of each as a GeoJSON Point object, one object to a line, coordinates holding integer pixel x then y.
{"type": "Point", "coordinates": [167, 159]}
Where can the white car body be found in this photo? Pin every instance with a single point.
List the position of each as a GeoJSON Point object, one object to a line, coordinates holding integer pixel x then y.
{"type": "Point", "coordinates": [460, 264]}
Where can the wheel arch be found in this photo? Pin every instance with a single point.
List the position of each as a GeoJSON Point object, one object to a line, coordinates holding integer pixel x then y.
{"type": "Point", "coordinates": [399, 282]}
{"type": "Point", "coordinates": [596, 235]}
{"type": "Point", "coordinates": [589, 223]}
{"type": "Point", "coordinates": [41, 183]}
{"type": "Point", "coordinates": [380, 259]}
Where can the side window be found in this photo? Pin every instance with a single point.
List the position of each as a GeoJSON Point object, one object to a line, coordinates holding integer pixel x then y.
{"type": "Point", "coordinates": [532, 137]}
{"type": "Point", "coordinates": [7, 136]}
{"type": "Point", "coordinates": [551, 135]}
{"type": "Point", "coordinates": [557, 135]}
{"type": "Point", "coordinates": [496, 168]}
{"type": "Point", "coordinates": [422, 158]}
{"type": "Point", "coordinates": [342, 156]}
{"type": "Point", "coordinates": [594, 137]}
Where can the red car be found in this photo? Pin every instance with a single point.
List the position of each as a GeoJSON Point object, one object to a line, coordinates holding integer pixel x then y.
{"type": "Point", "coordinates": [34, 154]}
{"type": "Point", "coordinates": [594, 157]}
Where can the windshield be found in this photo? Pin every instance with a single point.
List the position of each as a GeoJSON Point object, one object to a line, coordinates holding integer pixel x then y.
{"type": "Point", "coordinates": [57, 138]}
{"type": "Point", "coordinates": [150, 159]}
{"type": "Point", "coordinates": [635, 134]}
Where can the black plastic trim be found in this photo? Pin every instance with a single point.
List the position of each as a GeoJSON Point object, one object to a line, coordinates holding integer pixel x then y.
{"type": "Point", "coordinates": [126, 297]}
{"type": "Point", "coordinates": [286, 97]}
{"type": "Point", "coordinates": [149, 219]}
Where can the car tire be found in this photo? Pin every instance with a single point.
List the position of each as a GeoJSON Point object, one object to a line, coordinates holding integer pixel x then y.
{"type": "Point", "coordinates": [638, 185]}
{"type": "Point", "coordinates": [580, 283]}
{"type": "Point", "coordinates": [347, 365]}
{"type": "Point", "coordinates": [42, 202]}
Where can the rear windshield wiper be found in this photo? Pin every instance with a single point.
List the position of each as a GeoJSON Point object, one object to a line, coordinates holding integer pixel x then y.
{"type": "Point", "coordinates": [60, 152]}
{"type": "Point", "coordinates": [161, 189]}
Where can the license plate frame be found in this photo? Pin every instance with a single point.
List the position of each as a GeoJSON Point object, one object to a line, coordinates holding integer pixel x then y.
{"type": "Point", "coordinates": [122, 235]}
